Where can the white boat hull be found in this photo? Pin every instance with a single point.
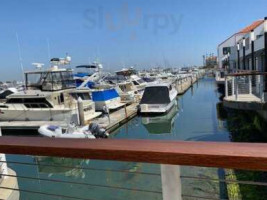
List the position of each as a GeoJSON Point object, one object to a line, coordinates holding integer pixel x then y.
{"type": "Point", "coordinates": [157, 108]}
{"type": "Point", "coordinates": [35, 115]}
{"type": "Point", "coordinates": [45, 131]}
{"type": "Point", "coordinates": [110, 104]}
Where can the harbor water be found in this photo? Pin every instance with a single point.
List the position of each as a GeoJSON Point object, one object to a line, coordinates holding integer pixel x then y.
{"type": "Point", "coordinates": [197, 116]}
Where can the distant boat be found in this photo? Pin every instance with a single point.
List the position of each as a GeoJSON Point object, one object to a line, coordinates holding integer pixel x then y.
{"type": "Point", "coordinates": [158, 98]}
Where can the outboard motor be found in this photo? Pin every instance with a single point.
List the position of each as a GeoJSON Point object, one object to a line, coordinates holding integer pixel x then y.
{"type": "Point", "coordinates": [97, 131]}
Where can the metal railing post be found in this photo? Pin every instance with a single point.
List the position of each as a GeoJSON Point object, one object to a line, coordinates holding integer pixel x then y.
{"type": "Point", "coordinates": [236, 89]}
{"type": "Point", "coordinates": [171, 182]}
{"type": "Point", "coordinates": [226, 87]}
{"type": "Point", "coordinates": [233, 86]}
{"type": "Point", "coordinates": [250, 84]}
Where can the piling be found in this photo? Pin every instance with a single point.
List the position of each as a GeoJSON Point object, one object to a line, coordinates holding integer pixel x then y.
{"type": "Point", "coordinates": [81, 112]}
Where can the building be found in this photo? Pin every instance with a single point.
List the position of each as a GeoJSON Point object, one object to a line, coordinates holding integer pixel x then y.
{"type": "Point", "coordinates": [245, 49]}
{"type": "Point", "coordinates": [210, 61]}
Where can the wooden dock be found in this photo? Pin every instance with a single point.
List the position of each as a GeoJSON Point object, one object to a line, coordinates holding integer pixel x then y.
{"type": "Point", "coordinates": [117, 118]}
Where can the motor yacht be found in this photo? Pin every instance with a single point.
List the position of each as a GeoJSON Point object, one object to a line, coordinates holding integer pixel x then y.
{"type": "Point", "coordinates": [158, 98]}
{"type": "Point", "coordinates": [49, 95]}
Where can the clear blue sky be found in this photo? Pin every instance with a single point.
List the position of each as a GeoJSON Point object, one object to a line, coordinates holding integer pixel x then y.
{"type": "Point", "coordinates": [120, 33]}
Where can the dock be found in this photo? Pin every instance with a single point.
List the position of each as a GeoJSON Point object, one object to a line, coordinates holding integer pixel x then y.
{"type": "Point", "coordinates": [115, 119]}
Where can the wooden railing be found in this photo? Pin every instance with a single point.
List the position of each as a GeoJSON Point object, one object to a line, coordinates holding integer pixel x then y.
{"type": "Point", "coordinates": [206, 154]}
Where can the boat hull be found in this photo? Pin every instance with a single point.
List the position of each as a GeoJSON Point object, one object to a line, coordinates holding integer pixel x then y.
{"type": "Point", "coordinates": [157, 108]}
{"type": "Point", "coordinates": [36, 115]}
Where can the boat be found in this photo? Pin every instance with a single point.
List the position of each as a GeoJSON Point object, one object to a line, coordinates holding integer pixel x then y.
{"type": "Point", "coordinates": [158, 99]}
{"type": "Point", "coordinates": [49, 95]}
{"type": "Point", "coordinates": [92, 131]}
{"type": "Point", "coordinates": [88, 75]}
{"type": "Point", "coordinates": [104, 95]}
{"type": "Point", "coordinates": [5, 93]}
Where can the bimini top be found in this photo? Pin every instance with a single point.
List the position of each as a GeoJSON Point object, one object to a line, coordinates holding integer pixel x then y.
{"type": "Point", "coordinates": [88, 66]}
{"type": "Point", "coordinates": [156, 94]}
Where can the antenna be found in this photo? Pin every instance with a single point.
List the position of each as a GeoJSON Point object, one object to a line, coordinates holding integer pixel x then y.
{"type": "Point", "coordinates": [20, 60]}
{"type": "Point", "coordinates": [48, 49]}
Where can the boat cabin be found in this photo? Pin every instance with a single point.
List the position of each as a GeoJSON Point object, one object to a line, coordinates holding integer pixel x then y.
{"type": "Point", "coordinates": [157, 94]}
{"type": "Point", "coordinates": [50, 80]}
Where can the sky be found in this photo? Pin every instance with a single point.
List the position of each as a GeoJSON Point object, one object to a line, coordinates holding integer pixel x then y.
{"type": "Point", "coordinates": [118, 33]}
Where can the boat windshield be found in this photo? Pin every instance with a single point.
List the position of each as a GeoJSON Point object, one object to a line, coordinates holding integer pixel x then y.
{"type": "Point", "coordinates": [141, 81]}
{"type": "Point", "coordinates": [156, 95]}
{"type": "Point", "coordinates": [50, 81]}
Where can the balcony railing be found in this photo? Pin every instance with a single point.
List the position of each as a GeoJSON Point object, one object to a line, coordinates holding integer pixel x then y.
{"type": "Point", "coordinates": [129, 177]}
{"type": "Point", "coordinates": [245, 86]}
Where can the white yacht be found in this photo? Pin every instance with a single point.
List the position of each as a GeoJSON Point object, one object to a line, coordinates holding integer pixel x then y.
{"type": "Point", "coordinates": [50, 95]}
{"type": "Point", "coordinates": [104, 96]}
{"type": "Point", "coordinates": [137, 84]}
{"type": "Point", "coordinates": [158, 98]}
{"type": "Point", "coordinates": [128, 92]}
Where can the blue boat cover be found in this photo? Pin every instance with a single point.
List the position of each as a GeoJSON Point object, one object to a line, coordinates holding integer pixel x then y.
{"type": "Point", "coordinates": [81, 75]}
{"type": "Point", "coordinates": [104, 95]}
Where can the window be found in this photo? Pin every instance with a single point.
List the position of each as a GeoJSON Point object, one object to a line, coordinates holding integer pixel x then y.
{"type": "Point", "coordinates": [226, 50]}
{"type": "Point", "coordinates": [31, 102]}
{"type": "Point", "coordinates": [84, 96]}
{"type": "Point", "coordinates": [135, 83]}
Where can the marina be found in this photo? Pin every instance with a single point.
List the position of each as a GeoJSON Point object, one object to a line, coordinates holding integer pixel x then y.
{"type": "Point", "coordinates": [176, 125]}
{"type": "Point", "coordinates": [129, 100]}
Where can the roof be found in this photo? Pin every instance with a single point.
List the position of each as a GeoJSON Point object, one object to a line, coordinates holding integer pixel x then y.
{"type": "Point", "coordinates": [251, 26]}
{"type": "Point", "coordinates": [245, 30]}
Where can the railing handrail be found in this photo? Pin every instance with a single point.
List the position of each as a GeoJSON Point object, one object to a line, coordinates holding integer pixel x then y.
{"type": "Point", "coordinates": [247, 73]}
{"type": "Point", "coordinates": [207, 154]}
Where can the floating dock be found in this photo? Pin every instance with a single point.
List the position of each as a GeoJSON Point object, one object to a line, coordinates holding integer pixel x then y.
{"type": "Point", "coordinates": [115, 119]}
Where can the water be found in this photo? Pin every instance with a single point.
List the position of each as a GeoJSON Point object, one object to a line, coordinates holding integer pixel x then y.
{"type": "Point", "coordinates": [194, 119]}
{"type": "Point", "coordinates": [198, 116]}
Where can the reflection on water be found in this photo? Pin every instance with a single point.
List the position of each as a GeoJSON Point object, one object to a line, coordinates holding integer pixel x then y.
{"type": "Point", "coordinates": [162, 124]}
{"type": "Point", "coordinates": [195, 119]}
{"type": "Point", "coordinates": [199, 116]}
{"type": "Point", "coordinates": [246, 126]}
{"type": "Point", "coordinates": [65, 166]}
